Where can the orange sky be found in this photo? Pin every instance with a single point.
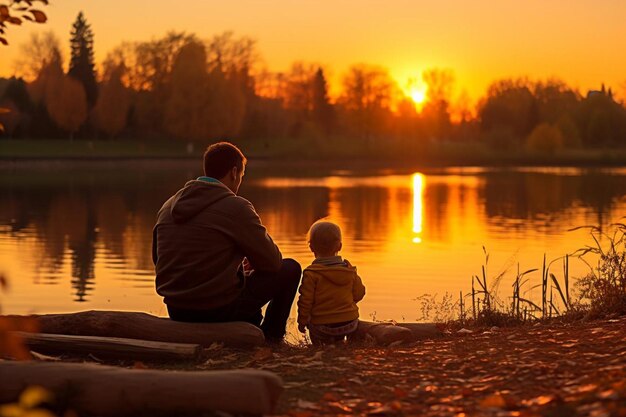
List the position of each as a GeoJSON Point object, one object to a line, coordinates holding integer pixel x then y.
{"type": "Point", "coordinates": [580, 41]}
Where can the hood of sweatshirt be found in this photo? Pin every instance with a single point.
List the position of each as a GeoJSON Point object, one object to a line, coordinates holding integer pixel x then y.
{"type": "Point", "coordinates": [338, 275]}
{"type": "Point", "coordinates": [196, 196]}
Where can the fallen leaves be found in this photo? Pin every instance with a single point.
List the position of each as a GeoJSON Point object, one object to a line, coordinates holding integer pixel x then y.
{"type": "Point", "coordinates": [540, 401]}
{"type": "Point", "coordinates": [12, 345]}
{"type": "Point", "coordinates": [499, 400]}
{"type": "Point", "coordinates": [526, 372]}
{"type": "Point", "coordinates": [263, 354]}
{"type": "Point", "coordinates": [29, 403]}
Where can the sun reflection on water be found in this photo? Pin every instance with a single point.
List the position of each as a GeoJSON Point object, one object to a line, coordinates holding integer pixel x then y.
{"type": "Point", "coordinates": [418, 206]}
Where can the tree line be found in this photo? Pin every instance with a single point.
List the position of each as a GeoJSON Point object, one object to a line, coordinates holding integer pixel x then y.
{"type": "Point", "coordinates": [181, 87]}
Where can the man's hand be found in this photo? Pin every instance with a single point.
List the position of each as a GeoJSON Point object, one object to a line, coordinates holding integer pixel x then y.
{"type": "Point", "coordinates": [247, 267]}
{"type": "Point", "coordinates": [302, 327]}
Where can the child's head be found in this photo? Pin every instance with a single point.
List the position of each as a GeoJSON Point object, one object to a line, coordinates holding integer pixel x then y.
{"type": "Point", "coordinates": [324, 238]}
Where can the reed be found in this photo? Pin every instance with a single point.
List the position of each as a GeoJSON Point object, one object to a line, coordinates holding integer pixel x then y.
{"type": "Point", "coordinates": [488, 310]}
{"type": "Point", "coordinates": [601, 292]}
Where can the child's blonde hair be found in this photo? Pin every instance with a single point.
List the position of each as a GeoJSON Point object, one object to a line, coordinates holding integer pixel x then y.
{"type": "Point", "coordinates": [324, 237]}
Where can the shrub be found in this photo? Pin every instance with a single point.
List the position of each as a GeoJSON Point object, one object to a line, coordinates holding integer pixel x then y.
{"type": "Point", "coordinates": [545, 138]}
{"type": "Point", "coordinates": [604, 287]}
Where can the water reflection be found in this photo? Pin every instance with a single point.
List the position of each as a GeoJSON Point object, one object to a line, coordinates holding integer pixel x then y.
{"type": "Point", "coordinates": [418, 197]}
{"type": "Point", "coordinates": [81, 239]}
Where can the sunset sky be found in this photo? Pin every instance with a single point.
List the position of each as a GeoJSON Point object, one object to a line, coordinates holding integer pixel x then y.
{"type": "Point", "coordinates": [580, 41]}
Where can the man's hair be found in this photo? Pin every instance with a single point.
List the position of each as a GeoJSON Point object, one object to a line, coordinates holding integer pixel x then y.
{"type": "Point", "coordinates": [221, 157]}
{"type": "Point", "coordinates": [323, 236]}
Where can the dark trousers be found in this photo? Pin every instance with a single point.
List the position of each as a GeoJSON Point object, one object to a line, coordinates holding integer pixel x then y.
{"type": "Point", "coordinates": [276, 288]}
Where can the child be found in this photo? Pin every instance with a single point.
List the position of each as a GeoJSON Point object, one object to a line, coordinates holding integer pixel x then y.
{"type": "Point", "coordinates": [330, 289]}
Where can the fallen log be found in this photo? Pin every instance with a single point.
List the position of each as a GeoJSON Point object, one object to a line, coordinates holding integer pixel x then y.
{"type": "Point", "coordinates": [386, 333]}
{"type": "Point", "coordinates": [142, 326]}
{"type": "Point", "coordinates": [109, 347]}
{"type": "Point", "coordinates": [109, 391]}
{"type": "Point", "coordinates": [422, 331]}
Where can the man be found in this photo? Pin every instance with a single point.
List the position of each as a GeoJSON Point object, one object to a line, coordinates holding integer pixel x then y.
{"type": "Point", "coordinates": [215, 261]}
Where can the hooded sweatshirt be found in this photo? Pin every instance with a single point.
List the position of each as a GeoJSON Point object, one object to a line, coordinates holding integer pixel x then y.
{"type": "Point", "coordinates": [329, 293]}
{"type": "Point", "coordinates": [202, 234]}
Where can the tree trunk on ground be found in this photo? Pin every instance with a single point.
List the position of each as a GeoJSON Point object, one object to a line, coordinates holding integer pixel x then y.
{"type": "Point", "coordinates": [133, 325]}
{"type": "Point", "coordinates": [108, 391]}
{"type": "Point", "coordinates": [109, 347]}
{"type": "Point", "coordinates": [387, 333]}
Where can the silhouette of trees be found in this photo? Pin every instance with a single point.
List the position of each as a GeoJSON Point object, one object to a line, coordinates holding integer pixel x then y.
{"type": "Point", "coordinates": [436, 111]}
{"type": "Point", "coordinates": [555, 100]}
{"type": "Point", "coordinates": [602, 120]}
{"type": "Point", "coordinates": [51, 70]}
{"type": "Point", "coordinates": [305, 95]}
{"type": "Point", "coordinates": [40, 90]}
{"type": "Point", "coordinates": [14, 13]}
{"type": "Point", "coordinates": [153, 60]}
{"type": "Point", "coordinates": [509, 107]}
{"type": "Point", "coordinates": [111, 110]}
{"type": "Point", "coordinates": [149, 67]}
{"type": "Point", "coordinates": [236, 58]}
{"type": "Point", "coordinates": [82, 67]}
{"type": "Point", "coordinates": [545, 138]}
{"type": "Point", "coordinates": [298, 93]}
{"type": "Point", "coordinates": [367, 99]}
{"type": "Point", "coordinates": [61, 95]}
{"type": "Point", "coordinates": [66, 102]}
{"type": "Point", "coordinates": [322, 108]}
{"type": "Point", "coordinates": [18, 105]}
{"type": "Point", "coordinates": [41, 49]}
{"type": "Point", "coordinates": [186, 113]}
{"type": "Point", "coordinates": [513, 109]}
{"type": "Point", "coordinates": [181, 87]}
{"type": "Point", "coordinates": [232, 61]}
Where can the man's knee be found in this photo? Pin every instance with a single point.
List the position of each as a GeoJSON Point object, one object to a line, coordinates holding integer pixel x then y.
{"type": "Point", "coordinates": [292, 269]}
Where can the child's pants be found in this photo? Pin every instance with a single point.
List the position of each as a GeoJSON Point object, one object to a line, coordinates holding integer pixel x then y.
{"type": "Point", "coordinates": [322, 334]}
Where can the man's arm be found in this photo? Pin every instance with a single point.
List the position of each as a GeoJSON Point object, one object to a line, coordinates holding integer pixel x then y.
{"type": "Point", "coordinates": [254, 241]}
{"type": "Point", "coordinates": [155, 255]}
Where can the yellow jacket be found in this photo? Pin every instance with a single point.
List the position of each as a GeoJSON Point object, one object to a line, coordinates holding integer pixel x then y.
{"type": "Point", "coordinates": [328, 294]}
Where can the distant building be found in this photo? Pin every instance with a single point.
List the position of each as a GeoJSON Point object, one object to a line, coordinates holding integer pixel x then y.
{"type": "Point", "coordinates": [603, 91]}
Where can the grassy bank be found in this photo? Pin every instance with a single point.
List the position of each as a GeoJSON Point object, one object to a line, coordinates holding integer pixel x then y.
{"type": "Point", "coordinates": [315, 151]}
{"type": "Point", "coordinates": [54, 149]}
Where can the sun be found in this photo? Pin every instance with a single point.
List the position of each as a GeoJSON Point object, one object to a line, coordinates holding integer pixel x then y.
{"type": "Point", "coordinates": [418, 96]}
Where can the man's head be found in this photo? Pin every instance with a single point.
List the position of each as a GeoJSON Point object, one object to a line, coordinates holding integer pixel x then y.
{"type": "Point", "coordinates": [226, 163]}
{"type": "Point", "coordinates": [324, 238]}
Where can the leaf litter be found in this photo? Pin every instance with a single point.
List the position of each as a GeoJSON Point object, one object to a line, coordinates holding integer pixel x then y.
{"type": "Point", "coordinates": [553, 369]}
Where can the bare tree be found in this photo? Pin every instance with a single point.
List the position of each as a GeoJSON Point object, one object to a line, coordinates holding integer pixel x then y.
{"type": "Point", "coordinates": [368, 93]}
{"type": "Point", "coordinates": [40, 50]}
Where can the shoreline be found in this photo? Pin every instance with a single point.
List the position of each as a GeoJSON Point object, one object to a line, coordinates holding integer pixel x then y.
{"type": "Point", "coordinates": [545, 369]}
{"type": "Point", "coordinates": [7, 162]}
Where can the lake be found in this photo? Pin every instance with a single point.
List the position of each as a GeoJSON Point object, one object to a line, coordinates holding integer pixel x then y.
{"type": "Point", "coordinates": [77, 237]}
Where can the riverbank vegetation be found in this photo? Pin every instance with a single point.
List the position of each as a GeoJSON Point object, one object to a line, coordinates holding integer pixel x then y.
{"type": "Point", "coordinates": [600, 293]}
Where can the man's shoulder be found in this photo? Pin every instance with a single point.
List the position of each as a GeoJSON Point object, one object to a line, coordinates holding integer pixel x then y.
{"type": "Point", "coordinates": [235, 203]}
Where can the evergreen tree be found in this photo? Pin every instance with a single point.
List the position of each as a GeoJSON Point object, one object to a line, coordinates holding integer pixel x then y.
{"type": "Point", "coordinates": [322, 109]}
{"type": "Point", "coordinates": [82, 58]}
